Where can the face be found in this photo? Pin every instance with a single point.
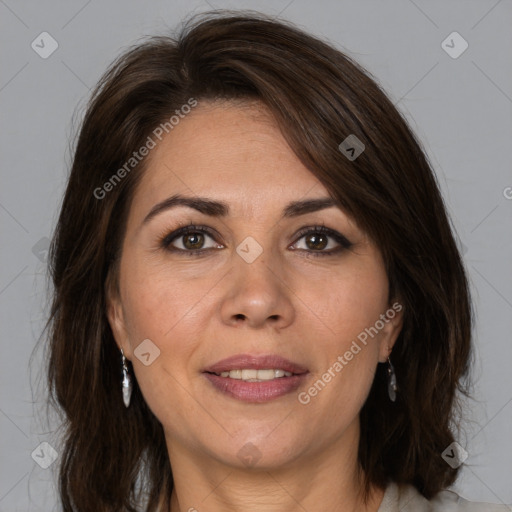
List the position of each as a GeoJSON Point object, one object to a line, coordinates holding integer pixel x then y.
{"type": "Point", "coordinates": [257, 288]}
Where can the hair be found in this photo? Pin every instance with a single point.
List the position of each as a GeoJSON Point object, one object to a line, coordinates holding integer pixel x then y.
{"type": "Point", "coordinates": [115, 458]}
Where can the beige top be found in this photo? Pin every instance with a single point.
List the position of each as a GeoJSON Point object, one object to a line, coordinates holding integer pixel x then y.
{"type": "Point", "coordinates": [405, 498]}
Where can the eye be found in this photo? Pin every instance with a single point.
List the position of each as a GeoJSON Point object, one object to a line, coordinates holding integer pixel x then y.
{"type": "Point", "coordinates": [191, 238]}
{"type": "Point", "coordinates": [317, 239]}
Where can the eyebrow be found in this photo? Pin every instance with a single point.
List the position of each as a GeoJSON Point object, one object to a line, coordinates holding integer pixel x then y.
{"type": "Point", "coordinates": [221, 209]}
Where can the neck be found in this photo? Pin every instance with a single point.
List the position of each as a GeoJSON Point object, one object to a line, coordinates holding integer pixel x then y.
{"type": "Point", "coordinates": [326, 480]}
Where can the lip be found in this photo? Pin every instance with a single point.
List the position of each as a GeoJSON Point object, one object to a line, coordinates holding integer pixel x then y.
{"type": "Point", "coordinates": [254, 362]}
{"type": "Point", "coordinates": [255, 392]}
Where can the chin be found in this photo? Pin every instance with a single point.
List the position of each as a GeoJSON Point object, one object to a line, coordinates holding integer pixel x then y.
{"type": "Point", "coordinates": [250, 452]}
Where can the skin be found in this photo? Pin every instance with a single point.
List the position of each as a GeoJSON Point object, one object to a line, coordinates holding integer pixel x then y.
{"type": "Point", "coordinates": [200, 309]}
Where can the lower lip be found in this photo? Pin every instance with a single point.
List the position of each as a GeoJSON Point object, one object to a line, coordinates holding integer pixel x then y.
{"type": "Point", "coordinates": [258, 392]}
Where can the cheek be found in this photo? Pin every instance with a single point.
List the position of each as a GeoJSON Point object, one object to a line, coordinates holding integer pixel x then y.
{"type": "Point", "coordinates": [346, 303]}
{"type": "Point", "coordinates": [160, 303]}
{"type": "Point", "coordinates": [168, 313]}
{"type": "Point", "coordinates": [343, 377]}
{"type": "Point", "coordinates": [347, 342]}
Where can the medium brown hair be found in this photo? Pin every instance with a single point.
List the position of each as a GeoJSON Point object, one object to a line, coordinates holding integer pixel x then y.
{"type": "Point", "coordinates": [115, 458]}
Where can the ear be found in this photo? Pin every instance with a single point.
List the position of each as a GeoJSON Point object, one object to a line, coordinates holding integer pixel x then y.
{"type": "Point", "coordinates": [115, 315]}
{"type": "Point", "coordinates": [391, 329]}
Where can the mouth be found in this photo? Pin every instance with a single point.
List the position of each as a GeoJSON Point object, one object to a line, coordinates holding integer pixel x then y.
{"type": "Point", "coordinates": [255, 378]}
{"type": "Point", "coordinates": [253, 375]}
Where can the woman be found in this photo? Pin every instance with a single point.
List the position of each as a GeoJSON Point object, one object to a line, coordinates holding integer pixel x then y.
{"type": "Point", "coordinates": [249, 230]}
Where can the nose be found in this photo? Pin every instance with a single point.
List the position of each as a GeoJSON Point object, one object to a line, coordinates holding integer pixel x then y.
{"type": "Point", "coordinates": [257, 294]}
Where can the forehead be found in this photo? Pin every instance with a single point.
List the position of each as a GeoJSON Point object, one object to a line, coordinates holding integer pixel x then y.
{"type": "Point", "coordinates": [232, 152]}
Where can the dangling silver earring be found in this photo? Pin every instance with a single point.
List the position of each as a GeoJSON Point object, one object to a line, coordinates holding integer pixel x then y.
{"type": "Point", "coordinates": [127, 382]}
{"type": "Point", "coordinates": [392, 386]}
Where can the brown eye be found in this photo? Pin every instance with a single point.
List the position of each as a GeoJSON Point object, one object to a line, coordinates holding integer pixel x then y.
{"type": "Point", "coordinates": [316, 241]}
{"type": "Point", "coordinates": [191, 238]}
{"type": "Point", "coordinates": [318, 238]}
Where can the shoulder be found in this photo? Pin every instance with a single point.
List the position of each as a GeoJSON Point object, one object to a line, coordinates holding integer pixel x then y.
{"type": "Point", "coordinates": [406, 498]}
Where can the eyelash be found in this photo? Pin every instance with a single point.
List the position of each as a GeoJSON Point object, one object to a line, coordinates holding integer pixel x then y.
{"type": "Point", "coordinates": [166, 239]}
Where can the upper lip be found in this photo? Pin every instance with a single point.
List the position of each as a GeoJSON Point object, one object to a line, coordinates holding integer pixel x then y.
{"type": "Point", "coordinates": [254, 362]}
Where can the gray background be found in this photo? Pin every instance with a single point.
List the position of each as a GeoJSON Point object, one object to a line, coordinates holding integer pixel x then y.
{"type": "Point", "coordinates": [459, 107]}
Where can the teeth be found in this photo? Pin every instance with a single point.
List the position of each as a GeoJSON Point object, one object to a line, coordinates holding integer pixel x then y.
{"type": "Point", "coordinates": [250, 375]}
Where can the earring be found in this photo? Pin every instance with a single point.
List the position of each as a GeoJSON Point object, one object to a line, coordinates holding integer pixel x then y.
{"type": "Point", "coordinates": [127, 382]}
{"type": "Point", "coordinates": [392, 387]}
